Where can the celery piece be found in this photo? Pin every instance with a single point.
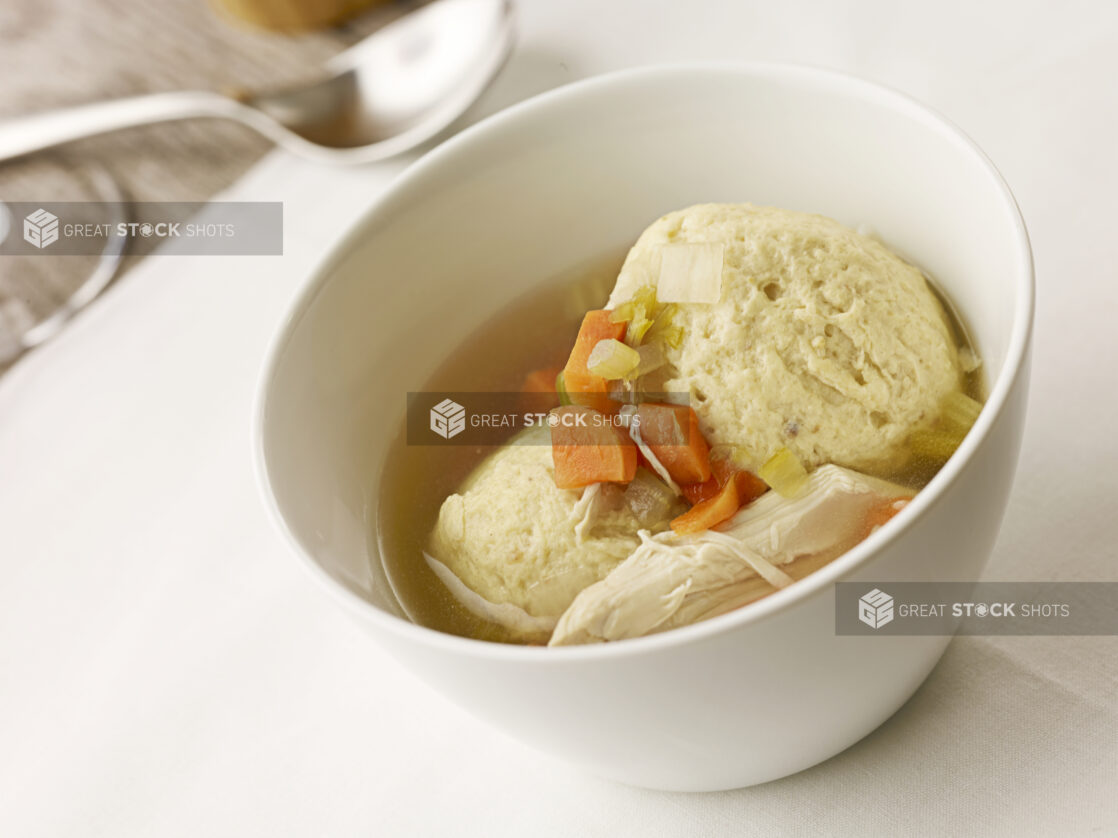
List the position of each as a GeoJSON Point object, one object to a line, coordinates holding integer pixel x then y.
{"type": "Point", "coordinates": [937, 445]}
{"type": "Point", "coordinates": [641, 305]}
{"type": "Point", "coordinates": [784, 473]}
{"type": "Point", "coordinates": [959, 412]}
{"type": "Point", "coordinates": [665, 314]}
{"type": "Point", "coordinates": [624, 313]}
{"type": "Point", "coordinates": [561, 389]}
{"type": "Point", "coordinates": [646, 296]}
{"type": "Point", "coordinates": [611, 359]}
{"type": "Point", "coordinates": [663, 329]}
{"type": "Point", "coordinates": [636, 331]}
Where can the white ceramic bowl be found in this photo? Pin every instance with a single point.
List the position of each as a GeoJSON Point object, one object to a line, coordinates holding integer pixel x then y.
{"type": "Point", "coordinates": [575, 173]}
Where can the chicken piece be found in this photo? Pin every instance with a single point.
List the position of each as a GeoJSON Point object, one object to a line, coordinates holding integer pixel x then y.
{"type": "Point", "coordinates": [524, 626]}
{"type": "Point", "coordinates": [672, 580]}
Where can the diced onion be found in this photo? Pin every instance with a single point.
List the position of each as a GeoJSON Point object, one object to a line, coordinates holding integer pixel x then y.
{"type": "Point", "coordinates": [784, 473]}
{"type": "Point", "coordinates": [625, 415]}
{"type": "Point", "coordinates": [651, 359]}
{"type": "Point", "coordinates": [650, 500]}
{"type": "Point", "coordinates": [623, 391]}
{"type": "Point", "coordinates": [611, 359]}
{"type": "Point", "coordinates": [690, 273]}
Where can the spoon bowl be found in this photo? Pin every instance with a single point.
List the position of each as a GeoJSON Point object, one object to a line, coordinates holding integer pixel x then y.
{"type": "Point", "coordinates": [395, 89]}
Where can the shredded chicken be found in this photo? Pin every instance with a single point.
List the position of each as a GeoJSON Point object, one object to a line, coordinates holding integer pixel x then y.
{"type": "Point", "coordinates": [653, 460]}
{"type": "Point", "coordinates": [583, 512]}
{"type": "Point", "coordinates": [503, 614]}
{"type": "Point", "coordinates": [761, 566]}
{"type": "Point", "coordinates": [672, 580]}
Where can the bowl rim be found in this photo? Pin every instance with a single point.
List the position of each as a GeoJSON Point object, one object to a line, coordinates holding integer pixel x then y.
{"type": "Point", "coordinates": [814, 585]}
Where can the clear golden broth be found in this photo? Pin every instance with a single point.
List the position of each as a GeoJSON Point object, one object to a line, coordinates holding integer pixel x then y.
{"type": "Point", "coordinates": [535, 330]}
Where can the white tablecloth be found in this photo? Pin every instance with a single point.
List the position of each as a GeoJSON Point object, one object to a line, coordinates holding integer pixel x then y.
{"type": "Point", "coordinates": [167, 669]}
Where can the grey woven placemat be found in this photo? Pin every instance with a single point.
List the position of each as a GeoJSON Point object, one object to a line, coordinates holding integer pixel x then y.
{"type": "Point", "coordinates": [61, 52]}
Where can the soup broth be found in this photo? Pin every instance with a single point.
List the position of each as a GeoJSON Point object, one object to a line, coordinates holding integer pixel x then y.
{"type": "Point", "coordinates": [535, 330]}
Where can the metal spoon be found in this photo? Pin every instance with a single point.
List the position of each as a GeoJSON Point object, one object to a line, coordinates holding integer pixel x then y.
{"type": "Point", "coordinates": [393, 90]}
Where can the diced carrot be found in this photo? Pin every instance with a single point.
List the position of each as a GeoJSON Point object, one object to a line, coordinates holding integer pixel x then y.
{"type": "Point", "coordinates": [724, 470]}
{"type": "Point", "coordinates": [881, 513]}
{"type": "Point", "coordinates": [749, 485]}
{"type": "Point", "coordinates": [710, 512]}
{"type": "Point", "coordinates": [696, 493]}
{"type": "Point", "coordinates": [596, 326]}
{"type": "Point", "coordinates": [537, 393]}
{"type": "Point", "coordinates": [672, 432]}
{"type": "Point", "coordinates": [723, 467]}
{"type": "Point", "coordinates": [583, 386]}
{"type": "Point", "coordinates": [541, 380]}
{"type": "Point", "coordinates": [587, 447]}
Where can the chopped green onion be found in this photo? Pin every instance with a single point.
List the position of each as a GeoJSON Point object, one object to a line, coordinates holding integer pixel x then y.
{"type": "Point", "coordinates": [611, 359]}
{"type": "Point", "coordinates": [784, 473]}
{"type": "Point", "coordinates": [561, 389]}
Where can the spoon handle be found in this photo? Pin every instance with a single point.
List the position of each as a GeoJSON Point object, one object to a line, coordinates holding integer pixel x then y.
{"type": "Point", "coordinates": [27, 134]}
